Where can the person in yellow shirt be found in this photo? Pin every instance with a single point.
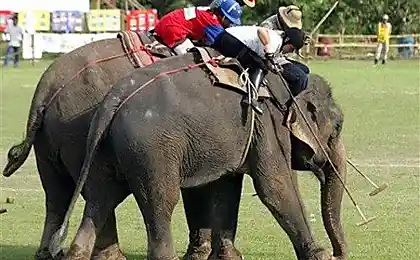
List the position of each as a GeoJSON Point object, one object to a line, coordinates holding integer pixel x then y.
{"type": "Point", "coordinates": [384, 32]}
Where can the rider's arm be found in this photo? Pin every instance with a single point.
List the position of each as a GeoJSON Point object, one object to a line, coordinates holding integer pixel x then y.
{"type": "Point", "coordinates": [212, 27]}
{"type": "Point", "coordinates": [264, 36]}
{"type": "Point", "coordinates": [211, 33]}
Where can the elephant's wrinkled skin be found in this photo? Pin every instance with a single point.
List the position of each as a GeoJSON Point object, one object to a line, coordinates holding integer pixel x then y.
{"type": "Point", "coordinates": [58, 131]}
{"type": "Point", "coordinates": [179, 132]}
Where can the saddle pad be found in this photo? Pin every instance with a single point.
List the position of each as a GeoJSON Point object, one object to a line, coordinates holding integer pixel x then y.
{"type": "Point", "coordinates": [132, 44]}
{"type": "Point", "coordinates": [227, 76]}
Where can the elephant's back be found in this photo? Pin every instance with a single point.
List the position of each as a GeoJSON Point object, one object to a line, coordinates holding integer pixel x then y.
{"type": "Point", "coordinates": [78, 86]}
{"type": "Point", "coordinates": [182, 114]}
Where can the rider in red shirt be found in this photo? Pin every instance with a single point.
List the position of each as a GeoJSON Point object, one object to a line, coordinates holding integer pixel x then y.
{"type": "Point", "coordinates": [176, 28]}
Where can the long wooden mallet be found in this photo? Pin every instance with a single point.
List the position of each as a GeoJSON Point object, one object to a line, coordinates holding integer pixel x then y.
{"type": "Point", "coordinates": [323, 19]}
{"type": "Point", "coordinates": [377, 189]}
{"type": "Point", "coordinates": [334, 169]}
{"type": "Point", "coordinates": [319, 25]}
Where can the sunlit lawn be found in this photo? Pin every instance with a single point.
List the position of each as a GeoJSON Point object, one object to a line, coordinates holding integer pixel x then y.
{"type": "Point", "coordinates": [381, 132]}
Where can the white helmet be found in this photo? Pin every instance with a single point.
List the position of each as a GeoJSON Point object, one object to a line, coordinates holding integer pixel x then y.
{"type": "Point", "coordinates": [385, 17]}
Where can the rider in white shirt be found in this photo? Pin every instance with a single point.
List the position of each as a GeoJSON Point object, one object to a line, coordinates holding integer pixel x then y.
{"type": "Point", "coordinates": [255, 47]}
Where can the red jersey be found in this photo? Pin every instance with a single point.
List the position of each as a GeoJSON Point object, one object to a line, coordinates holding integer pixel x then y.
{"type": "Point", "coordinates": [193, 23]}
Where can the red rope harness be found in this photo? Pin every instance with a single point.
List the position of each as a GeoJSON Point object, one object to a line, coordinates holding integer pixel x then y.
{"type": "Point", "coordinates": [212, 61]}
{"type": "Point", "coordinates": [77, 74]}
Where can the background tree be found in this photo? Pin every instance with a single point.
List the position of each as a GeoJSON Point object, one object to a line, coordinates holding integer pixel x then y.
{"type": "Point", "coordinates": [350, 16]}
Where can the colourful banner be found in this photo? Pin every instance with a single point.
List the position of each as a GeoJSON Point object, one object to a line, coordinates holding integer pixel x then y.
{"type": "Point", "coordinates": [108, 20]}
{"type": "Point", "coordinates": [34, 20]}
{"type": "Point", "coordinates": [67, 21]}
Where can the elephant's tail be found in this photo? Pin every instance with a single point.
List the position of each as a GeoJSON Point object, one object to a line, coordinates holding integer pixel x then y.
{"type": "Point", "coordinates": [99, 125]}
{"type": "Point", "coordinates": [18, 153]}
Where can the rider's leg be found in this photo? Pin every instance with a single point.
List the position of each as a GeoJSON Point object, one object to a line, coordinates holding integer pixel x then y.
{"type": "Point", "coordinates": [296, 78]}
{"type": "Point", "coordinates": [301, 66]}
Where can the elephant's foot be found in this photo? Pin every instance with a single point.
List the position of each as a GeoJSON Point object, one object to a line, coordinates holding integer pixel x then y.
{"type": "Point", "coordinates": [76, 253]}
{"type": "Point", "coordinates": [112, 252]}
{"type": "Point", "coordinates": [320, 254]}
{"type": "Point", "coordinates": [163, 258]}
{"type": "Point", "coordinates": [44, 254]}
{"type": "Point", "coordinates": [201, 252]}
{"type": "Point", "coordinates": [226, 252]}
{"type": "Point", "coordinates": [338, 258]}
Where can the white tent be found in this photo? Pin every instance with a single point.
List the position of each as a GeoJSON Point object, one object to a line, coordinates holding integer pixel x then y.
{"type": "Point", "coordinates": [45, 5]}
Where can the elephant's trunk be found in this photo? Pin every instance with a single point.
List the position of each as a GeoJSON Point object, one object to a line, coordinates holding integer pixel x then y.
{"type": "Point", "coordinates": [331, 198]}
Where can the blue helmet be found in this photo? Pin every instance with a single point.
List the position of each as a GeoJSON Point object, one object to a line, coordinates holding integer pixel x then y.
{"type": "Point", "coordinates": [231, 10]}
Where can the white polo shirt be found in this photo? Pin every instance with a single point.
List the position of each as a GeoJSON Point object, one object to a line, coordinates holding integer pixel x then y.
{"type": "Point", "coordinates": [248, 35]}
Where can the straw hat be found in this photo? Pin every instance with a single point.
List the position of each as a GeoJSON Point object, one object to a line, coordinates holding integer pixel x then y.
{"type": "Point", "coordinates": [249, 3]}
{"type": "Point", "coordinates": [291, 15]}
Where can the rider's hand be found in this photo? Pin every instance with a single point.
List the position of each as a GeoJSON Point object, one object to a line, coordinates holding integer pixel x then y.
{"type": "Point", "coordinates": [307, 40]}
{"type": "Point", "coordinates": [271, 64]}
{"type": "Point", "coordinates": [270, 57]}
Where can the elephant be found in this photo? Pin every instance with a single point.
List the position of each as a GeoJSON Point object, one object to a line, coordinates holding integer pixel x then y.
{"type": "Point", "coordinates": [57, 126]}
{"type": "Point", "coordinates": [163, 133]}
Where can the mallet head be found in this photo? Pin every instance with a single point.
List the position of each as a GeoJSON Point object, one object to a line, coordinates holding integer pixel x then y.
{"type": "Point", "coordinates": [379, 189]}
{"type": "Point", "coordinates": [366, 221]}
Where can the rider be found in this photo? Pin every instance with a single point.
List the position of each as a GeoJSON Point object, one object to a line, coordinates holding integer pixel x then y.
{"type": "Point", "coordinates": [176, 28]}
{"type": "Point", "coordinates": [253, 46]}
{"type": "Point", "coordinates": [286, 17]}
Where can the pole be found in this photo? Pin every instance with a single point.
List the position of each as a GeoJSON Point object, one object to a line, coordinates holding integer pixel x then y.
{"type": "Point", "coordinates": [323, 19]}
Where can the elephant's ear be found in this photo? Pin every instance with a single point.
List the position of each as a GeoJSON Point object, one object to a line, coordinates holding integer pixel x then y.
{"type": "Point", "coordinates": [297, 125]}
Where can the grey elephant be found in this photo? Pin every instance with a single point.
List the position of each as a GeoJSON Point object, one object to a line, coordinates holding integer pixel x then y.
{"type": "Point", "coordinates": [59, 117]}
{"type": "Point", "coordinates": [57, 126]}
{"type": "Point", "coordinates": [178, 132]}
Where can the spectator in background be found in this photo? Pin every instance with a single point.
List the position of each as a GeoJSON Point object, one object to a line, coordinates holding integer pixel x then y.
{"type": "Point", "coordinates": [15, 33]}
{"type": "Point", "coordinates": [384, 32]}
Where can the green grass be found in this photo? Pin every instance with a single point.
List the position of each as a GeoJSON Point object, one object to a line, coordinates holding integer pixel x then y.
{"type": "Point", "coordinates": [381, 107]}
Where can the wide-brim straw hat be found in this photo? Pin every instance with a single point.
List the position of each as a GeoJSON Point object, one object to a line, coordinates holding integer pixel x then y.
{"type": "Point", "coordinates": [291, 15]}
{"type": "Point", "coordinates": [249, 3]}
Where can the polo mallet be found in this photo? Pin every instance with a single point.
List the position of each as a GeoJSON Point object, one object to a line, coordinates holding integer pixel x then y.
{"type": "Point", "coordinates": [319, 25]}
{"type": "Point", "coordinates": [323, 19]}
{"type": "Point", "coordinates": [365, 220]}
{"type": "Point", "coordinates": [377, 189]}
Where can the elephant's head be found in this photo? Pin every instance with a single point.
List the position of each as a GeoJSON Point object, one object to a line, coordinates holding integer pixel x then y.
{"type": "Point", "coordinates": [325, 119]}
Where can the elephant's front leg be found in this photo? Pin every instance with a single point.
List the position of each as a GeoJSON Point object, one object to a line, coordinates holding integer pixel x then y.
{"type": "Point", "coordinates": [199, 205]}
{"type": "Point", "coordinates": [276, 186]}
{"type": "Point", "coordinates": [280, 196]}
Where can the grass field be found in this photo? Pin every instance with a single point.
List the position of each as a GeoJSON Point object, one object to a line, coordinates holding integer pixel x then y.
{"type": "Point", "coordinates": [381, 133]}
